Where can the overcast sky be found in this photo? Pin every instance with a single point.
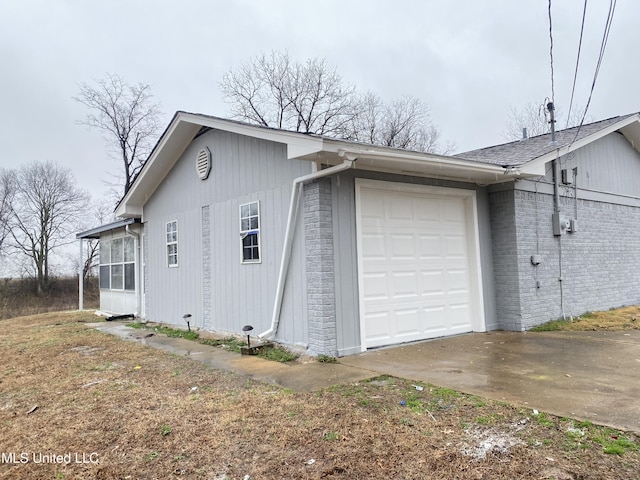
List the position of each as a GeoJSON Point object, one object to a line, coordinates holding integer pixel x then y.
{"type": "Point", "coordinates": [470, 61]}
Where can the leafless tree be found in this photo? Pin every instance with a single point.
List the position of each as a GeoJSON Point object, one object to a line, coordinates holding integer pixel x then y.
{"type": "Point", "coordinates": [403, 123]}
{"type": "Point", "coordinates": [535, 118]}
{"type": "Point", "coordinates": [274, 91]}
{"type": "Point", "coordinates": [310, 97]}
{"type": "Point", "coordinates": [127, 117]}
{"type": "Point", "coordinates": [7, 193]}
{"type": "Point", "coordinates": [44, 214]}
{"type": "Point", "coordinates": [102, 212]}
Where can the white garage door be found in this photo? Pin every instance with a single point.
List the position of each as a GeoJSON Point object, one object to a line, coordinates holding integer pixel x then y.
{"type": "Point", "coordinates": [416, 257]}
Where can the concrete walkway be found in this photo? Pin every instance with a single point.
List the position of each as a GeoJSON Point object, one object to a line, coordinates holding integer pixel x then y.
{"type": "Point", "coordinates": [585, 375]}
{"type": "Point", "coordinates": [300, 377]}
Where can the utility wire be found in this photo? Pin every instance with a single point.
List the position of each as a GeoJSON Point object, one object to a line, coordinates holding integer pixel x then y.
{"type": "Point", "coordinates": [575, 74]}
{"type": "Point", "coordinates": [603, 46]}
{"type": "Point", "coordinates": [553, 94]}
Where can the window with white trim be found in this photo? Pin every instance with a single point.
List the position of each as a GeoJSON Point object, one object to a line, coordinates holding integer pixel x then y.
{"type": "Point", "coordinates": [172, 243]}
{"type": "Point", "coordinates": [117, 264]}
{"type": "Point", "coordinates": [250, 232]}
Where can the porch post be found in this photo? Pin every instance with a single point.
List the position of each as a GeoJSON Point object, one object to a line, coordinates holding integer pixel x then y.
{"type": "Point", "coordinates": [80, 282]}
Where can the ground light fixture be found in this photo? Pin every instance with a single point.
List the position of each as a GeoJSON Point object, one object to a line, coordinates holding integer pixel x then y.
{"type": "Point", "coordinates": [247, 329]}
{"type": "Point", "coordinates": [186, 318]}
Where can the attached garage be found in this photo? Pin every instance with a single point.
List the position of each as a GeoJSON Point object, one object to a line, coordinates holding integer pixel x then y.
{"type": "Point", "coordinates": [418, 262]}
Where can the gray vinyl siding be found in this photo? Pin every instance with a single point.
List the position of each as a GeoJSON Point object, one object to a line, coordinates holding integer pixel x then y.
{"type": "Point", "coordinates": [346, 268]}
{"type": "Point", "coordinates": [609, 164]}
{"type": "Point", "coordinates": [598, 264]}
{"type": "Point", "coordinates": [244, 170]}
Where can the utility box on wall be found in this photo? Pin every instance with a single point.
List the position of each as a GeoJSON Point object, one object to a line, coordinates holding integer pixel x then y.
{"type": "Point", "coordinates": [563, 225]}
{"type": "Point", "coordinates": [560, 224]}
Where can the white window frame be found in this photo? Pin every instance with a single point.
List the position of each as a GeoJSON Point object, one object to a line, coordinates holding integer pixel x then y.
{"type": "Point", "coordinates": [246, 230]}
{"type": "Point", "coordinates": [171, 242]}
{"type": "Point", "coordinates": [111, 262]}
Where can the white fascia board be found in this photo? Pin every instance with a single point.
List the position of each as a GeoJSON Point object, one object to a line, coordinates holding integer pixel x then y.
{"type": "Point", "coordinates": [539, 163]}
{"type": "Point", "coordinates": [298, 144]}
{"type": "Point", "coordinates": [162, 159]}
{"type": "Point", "coordinates": [408, 162]}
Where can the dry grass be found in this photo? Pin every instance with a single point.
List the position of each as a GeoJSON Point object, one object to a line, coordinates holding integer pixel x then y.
{"type": "Point", "coordinates": [136, 408]}
{"type": "Point", "coordinates": [17, 297]}
{"type": "Point", "coordinates": [625, 318]}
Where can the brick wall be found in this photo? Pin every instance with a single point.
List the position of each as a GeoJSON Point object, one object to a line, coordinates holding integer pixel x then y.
{"type": "Point", "coordinates": [207, 306]}
{"type": "Point", "coordinates": [505, 260]}
{"type": "Point", "coordinates": [599, 268]}
{"type": "Point", "coordinates": [318, 232]}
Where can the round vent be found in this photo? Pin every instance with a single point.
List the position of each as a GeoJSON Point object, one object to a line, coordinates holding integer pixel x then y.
{"type": "Point", "coordinates": [203, 163]}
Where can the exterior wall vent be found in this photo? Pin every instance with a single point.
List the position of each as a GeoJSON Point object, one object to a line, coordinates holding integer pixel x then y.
{"type": "Point", "coordinates": [203, 163]}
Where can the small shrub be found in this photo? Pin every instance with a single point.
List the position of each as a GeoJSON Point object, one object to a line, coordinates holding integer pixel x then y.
{"type": "Point", "coordinates": [331, 436]}
{"type": "Point", "coordinates": [277, 354]}
{"type": "Point", "coordinates": [326, 359]}
{"type": "Point", "coordinates": [165, 430]}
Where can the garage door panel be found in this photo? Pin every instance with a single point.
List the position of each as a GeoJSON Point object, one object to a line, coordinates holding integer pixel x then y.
{"type": "Point", "coordinates": [373, 246]}
{"type": "Point", "coordinates": [407, 322]}
{"type": "Point", "coordinates": [429, 246]}
{"type": "Point", "coordinates": [398, 207]}
{"type": "Point", "coordinates": [455, 246]}
{"type": "Point", "coordinates": [416, 268]}
{"type": "Point", "coordinates": [402, 246]}
{"type": "Point", "coordinates": [452, 210]}
{"type": "Point", "coordinates": [426, 210]}
{"type": "Point", "coordinates": [432, 281]}
{"type": "Point", "coordinates": [457, 282]}
{"type": "Point", "coordinates": [375, 286]}
{"type": "Point", "coordinates": [372, 207]}
{"type": "Point", "coordinates": [378, 327]}
{"type": "Point", "coordinates": [404, 284]}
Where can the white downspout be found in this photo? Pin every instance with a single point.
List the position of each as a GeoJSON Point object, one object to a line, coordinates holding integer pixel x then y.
{"type": "Point", "coordinates": [298, 183]}
{"type": "Point", "coordinates": [136, 260]}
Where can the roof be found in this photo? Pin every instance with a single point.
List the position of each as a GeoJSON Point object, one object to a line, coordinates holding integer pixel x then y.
{"type": "Point", "coordinates": [521, 152]}
{"type": "Point", "coordinates": [94, 233]}
{"type": "Point", "coordinates": [185, 126]}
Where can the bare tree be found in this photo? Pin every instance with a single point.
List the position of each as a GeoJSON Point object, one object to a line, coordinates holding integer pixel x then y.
{"type": "Point", "coordinates": [44, 214]}
{"type": "Point", "coordinates": [127, 117]}
{"type": "Point", "coordinates": [310, 97]}
{"type": "Point", "coordinates": [535, 118]}
{"type": "Point", "coordinates": [7, 193]}
{"type": "Point", "coordinates": [102, 213]}
{"type": "Point", "coordinates": [274, 91]}
{"type": "Point", "coordinates": [403, 123]}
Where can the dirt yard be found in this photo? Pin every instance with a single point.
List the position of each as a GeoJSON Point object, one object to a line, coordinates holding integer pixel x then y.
{"type": "Point", "coordinates": [75, 403]}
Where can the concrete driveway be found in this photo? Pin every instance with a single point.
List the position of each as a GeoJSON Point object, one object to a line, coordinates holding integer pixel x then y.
{"type": "Point", "coordinates": [585, 375]}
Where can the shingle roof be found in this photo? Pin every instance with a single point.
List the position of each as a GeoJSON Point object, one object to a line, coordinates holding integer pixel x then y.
{"type": "Point", "coordinates": [523, 151]}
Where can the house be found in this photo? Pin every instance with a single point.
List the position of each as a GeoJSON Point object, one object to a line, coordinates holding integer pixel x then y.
{"type": "Point", "coordinates": [337, 247]}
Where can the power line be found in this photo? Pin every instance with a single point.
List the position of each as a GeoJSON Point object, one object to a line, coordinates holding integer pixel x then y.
{"type": "Point", "coordinates": [553, 94]}
{"type": "Point", "coordinates": [603, 46]}
{"type": "Point", "coordinates": [575, 74]}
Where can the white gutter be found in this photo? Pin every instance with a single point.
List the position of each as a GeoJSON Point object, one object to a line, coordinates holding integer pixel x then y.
{"type": "Point", "coordinates": [298, 183]}
{"type": "Point", "coordinates": [136, 259]}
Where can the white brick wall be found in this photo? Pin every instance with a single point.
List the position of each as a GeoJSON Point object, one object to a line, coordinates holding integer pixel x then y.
{"type": "Point", "coordinates": [318, 230]}
{"type": "Point", "coordinates": [600, 262]}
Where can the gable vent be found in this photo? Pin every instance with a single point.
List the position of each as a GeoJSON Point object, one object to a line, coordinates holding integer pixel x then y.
{"type": "Point", "coordinates": [203, 163]}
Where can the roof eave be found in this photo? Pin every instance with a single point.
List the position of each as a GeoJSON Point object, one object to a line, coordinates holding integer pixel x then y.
{"type": "Point", "coordinates": [177, 137]}
{"type": "Point", "coordinates": [94, 233]}
{"type": "Point", "coordinates": [632, 134]}
{"type": "Point", "coordinates": [405, 162]}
